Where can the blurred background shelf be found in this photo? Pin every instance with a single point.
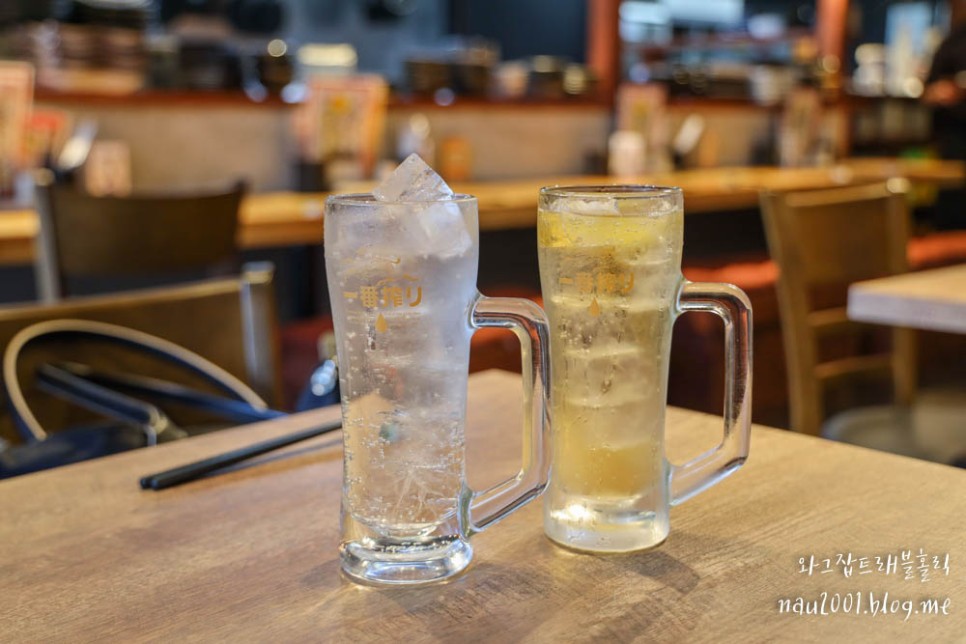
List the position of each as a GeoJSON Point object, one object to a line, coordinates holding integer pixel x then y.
{"type": "Point", "coordinates": [154, 97]}
{"type": "Point", "coordinates": [185, 97]}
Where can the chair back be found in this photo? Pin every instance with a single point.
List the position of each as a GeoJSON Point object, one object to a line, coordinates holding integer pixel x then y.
{"type": "Point", "coordinates": [822, 241]}
{"type": "Point", "coordinates": [86, 236]}
{"type": "Point", "coordinates": [231, 322]}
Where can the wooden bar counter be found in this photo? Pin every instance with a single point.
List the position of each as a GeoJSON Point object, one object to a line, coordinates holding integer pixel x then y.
{"type": "Point", "coordinates": [294, 219]}
{"type": "Point", "coordinates": [251, 555]}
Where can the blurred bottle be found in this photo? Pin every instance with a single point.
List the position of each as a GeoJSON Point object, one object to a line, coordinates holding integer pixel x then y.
{"type": "Point", "coordinates": [323, 386]}
{"type": "Point", "coordinates": [415, 136]}
{"type": "Point", "coordinates": [687, 140]}
{"type": "Point", "coordinates": [456, 159]}
{"type": "Point", "coordinates": [626, 151]}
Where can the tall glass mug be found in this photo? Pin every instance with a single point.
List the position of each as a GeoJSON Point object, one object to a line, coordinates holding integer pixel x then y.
{"type": "Point", "coordinates": [610, 268]}
{"type": "Point", "coordinates": [402, 282]}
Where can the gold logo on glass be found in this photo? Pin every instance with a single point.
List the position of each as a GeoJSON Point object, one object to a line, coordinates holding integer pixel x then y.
{"type": "Point", "coordinates": [386, 294]}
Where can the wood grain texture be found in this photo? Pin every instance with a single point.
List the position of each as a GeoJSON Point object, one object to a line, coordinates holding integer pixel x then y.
{"type": "Point", "coordinates": [251, 555]}
{"type": "Point", "coordinates": [292, 219]}
{"type": "Point", "coordinates": [934, 300]}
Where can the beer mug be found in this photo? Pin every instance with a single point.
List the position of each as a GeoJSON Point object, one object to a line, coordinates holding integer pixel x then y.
{"type": "Point", "coordinates": [610, 270]}
{"type": "Point", "coordinates": [402, 284]}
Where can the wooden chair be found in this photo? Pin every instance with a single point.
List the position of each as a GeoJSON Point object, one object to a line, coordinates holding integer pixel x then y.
{"type": "Point", "coordinates": [822, 241]}
{"type": "Point", "coordinates": [82, 236]}
{"type": "Point", "coordinates": [231, 322]}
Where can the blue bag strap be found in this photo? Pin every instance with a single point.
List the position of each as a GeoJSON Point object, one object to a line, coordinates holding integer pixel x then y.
{"type": "Point", "coordinates": [226, 408]}
{"type": "Point", "coordinates": [63, 384]}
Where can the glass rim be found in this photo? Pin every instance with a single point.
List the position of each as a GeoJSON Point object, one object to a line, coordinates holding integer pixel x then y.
{"type": "Point", "coordinates": [615, 191]}
{"type": "Point", "coordinates": [368, 199]}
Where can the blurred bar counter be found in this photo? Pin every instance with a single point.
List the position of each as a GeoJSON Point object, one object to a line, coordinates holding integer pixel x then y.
{"type": "Point", "coordinates": [281, 219]}
{"type": "Point", "coordinates": [163, 97]}
{"type": "Point", "coordinates": [183, 139]}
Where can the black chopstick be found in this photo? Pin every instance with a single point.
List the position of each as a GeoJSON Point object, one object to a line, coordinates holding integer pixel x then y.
{"type": "Point", "coordinates": [192, 471]}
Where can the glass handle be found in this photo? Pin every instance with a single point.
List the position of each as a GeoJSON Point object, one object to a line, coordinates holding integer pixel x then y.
{"type": "Point", "coordinates": [529, 323]}
{"type": "Point", "coordinates": [730, 304]}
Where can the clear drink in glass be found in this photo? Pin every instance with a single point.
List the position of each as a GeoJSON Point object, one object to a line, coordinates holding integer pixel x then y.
{"type": "Point", "coordinates": [402, 283]}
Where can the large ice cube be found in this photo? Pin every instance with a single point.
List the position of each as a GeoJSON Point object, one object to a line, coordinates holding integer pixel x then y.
{"type": "Point", "coordinates": [441, 231]}
{"type": "Point", "coordinates": [595, 206]}
{"type": "Point", "coordinates": [610, 373]}
{"type": "Point", "coordinates": [433, 223]}
{"type": "Point", "coordinates": [413, 180]}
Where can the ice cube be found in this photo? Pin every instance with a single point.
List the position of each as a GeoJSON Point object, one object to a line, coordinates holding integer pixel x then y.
{"type": "Point", "coordinates": [413, 180]}
{"type": "Point", "coordinates": [434, 224]}
{"type": "Point", "coordinates": [442, 231]}
{"type": "Point", "coordinates": [595, 206]}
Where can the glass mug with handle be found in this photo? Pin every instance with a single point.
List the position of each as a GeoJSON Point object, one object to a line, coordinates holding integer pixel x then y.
{"type": "Point", "coordinates": [402, 283]}
{"type": "Point", "coordinates": [610, 270]}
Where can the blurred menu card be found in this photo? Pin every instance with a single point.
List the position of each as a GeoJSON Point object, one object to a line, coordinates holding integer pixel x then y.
{"type": "Point", "coordinates": [643, 109]}
{"type": "Point", "coordinates": [800, 127]}
{"type": "Point", "coordinates": [342, 121]}
{"type": "Point", "coordinates": [16, 98]}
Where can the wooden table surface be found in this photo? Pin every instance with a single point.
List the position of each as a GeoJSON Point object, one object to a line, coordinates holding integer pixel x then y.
{"type": "Point", "coordinates": [290, 219]}
{"type": "Point", "coordinates": [251, 555]}
{"type": "Point", "coordinates": [934, 300]}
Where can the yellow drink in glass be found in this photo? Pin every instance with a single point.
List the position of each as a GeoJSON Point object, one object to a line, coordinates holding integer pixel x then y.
{"type": "Point", "coordinates": [610, 274]}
